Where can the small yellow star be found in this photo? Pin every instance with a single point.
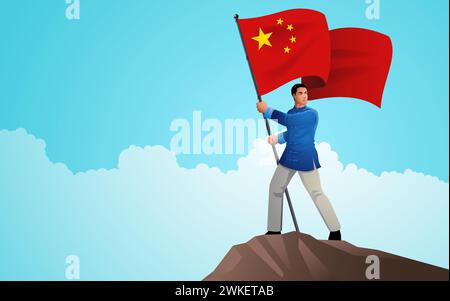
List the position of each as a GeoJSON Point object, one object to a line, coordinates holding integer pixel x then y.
{"type": "Point", "coordinates": [293, 39]}
{"type": "Point", "coordinates": [280, 21]}
{"type": "Point", "coordinates": [287, 49]}
{"type": "Point", "coordinates": [263, 39]}
{"type": "Point", "coordinates": [290, 27]}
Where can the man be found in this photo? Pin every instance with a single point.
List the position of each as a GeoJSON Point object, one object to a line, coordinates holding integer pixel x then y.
{"type": "Point", "coordinates": [299, 156]}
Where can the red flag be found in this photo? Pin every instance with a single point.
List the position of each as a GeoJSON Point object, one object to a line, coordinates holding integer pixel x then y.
{"type": "Point", "coordinates": [360, 62]}
{"type": "Point", "coordinates": [287, 45]}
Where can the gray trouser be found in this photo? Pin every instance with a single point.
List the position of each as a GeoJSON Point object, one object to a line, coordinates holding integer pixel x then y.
{"type": "Point", "coordinates": [311, 181]}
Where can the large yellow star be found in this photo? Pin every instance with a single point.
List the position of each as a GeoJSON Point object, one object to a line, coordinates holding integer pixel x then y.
{"type": "Point", "coordinates": [263, 39]}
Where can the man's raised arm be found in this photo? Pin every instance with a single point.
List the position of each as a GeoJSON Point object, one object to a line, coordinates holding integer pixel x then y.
{"type": "Point", "coordinates": [270, 113]}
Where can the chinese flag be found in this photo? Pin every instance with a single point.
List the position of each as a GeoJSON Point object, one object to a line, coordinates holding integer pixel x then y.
{"type": "Point", "coordinates": [285, 46]}
{"type": "Point", "coordinates": [360, 62]}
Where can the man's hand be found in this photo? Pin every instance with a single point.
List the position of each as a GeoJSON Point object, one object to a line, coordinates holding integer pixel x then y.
{"type": "Point", "coordinates": [273, 139]}
{"type": "Point", "coordinates": [261, 106]}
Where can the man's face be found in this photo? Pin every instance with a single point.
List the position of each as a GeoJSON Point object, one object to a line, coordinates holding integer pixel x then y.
{"type": "Point", "coordinates": [301, 96]}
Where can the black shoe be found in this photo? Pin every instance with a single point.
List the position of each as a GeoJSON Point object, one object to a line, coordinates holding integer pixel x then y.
{"type": "Point", "coordinates": [273, 232]}
{"type": "Point", "coordinates": [335, 235]}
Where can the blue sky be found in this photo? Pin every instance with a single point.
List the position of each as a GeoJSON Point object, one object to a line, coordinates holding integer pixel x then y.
{"type": "Point", "coordinates": [85, 111]}
{"type": "Point", "coordinates": [124, 71]}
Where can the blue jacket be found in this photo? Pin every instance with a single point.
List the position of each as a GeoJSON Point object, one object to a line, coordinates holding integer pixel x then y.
{"type": "Point", "coordinates": [301, 124]}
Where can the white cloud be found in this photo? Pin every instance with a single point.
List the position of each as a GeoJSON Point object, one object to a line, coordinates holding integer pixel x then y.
{"type": "Point", "coordinates": [151, 219]}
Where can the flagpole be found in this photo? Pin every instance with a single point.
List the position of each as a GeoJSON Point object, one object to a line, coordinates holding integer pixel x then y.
{"type": "Point", "coordinates": [236, 17]}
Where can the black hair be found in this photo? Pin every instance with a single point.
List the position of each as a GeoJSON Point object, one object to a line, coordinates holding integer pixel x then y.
{"type": "Point", "coordinates": [296, 86]}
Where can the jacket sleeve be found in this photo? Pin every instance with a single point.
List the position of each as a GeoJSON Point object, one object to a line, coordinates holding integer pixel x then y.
{"type": "Point", "coordinates": [276, 115]}
{"type": "Point", "coordinates": [282, 137]}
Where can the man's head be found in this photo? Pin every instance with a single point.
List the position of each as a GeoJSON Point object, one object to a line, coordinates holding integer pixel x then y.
{"type": "Point", "coordinates": [300, 94]}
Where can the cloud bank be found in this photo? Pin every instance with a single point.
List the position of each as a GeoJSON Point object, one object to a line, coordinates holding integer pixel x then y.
{"type": "Point", "coordinates": [150, 219]}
